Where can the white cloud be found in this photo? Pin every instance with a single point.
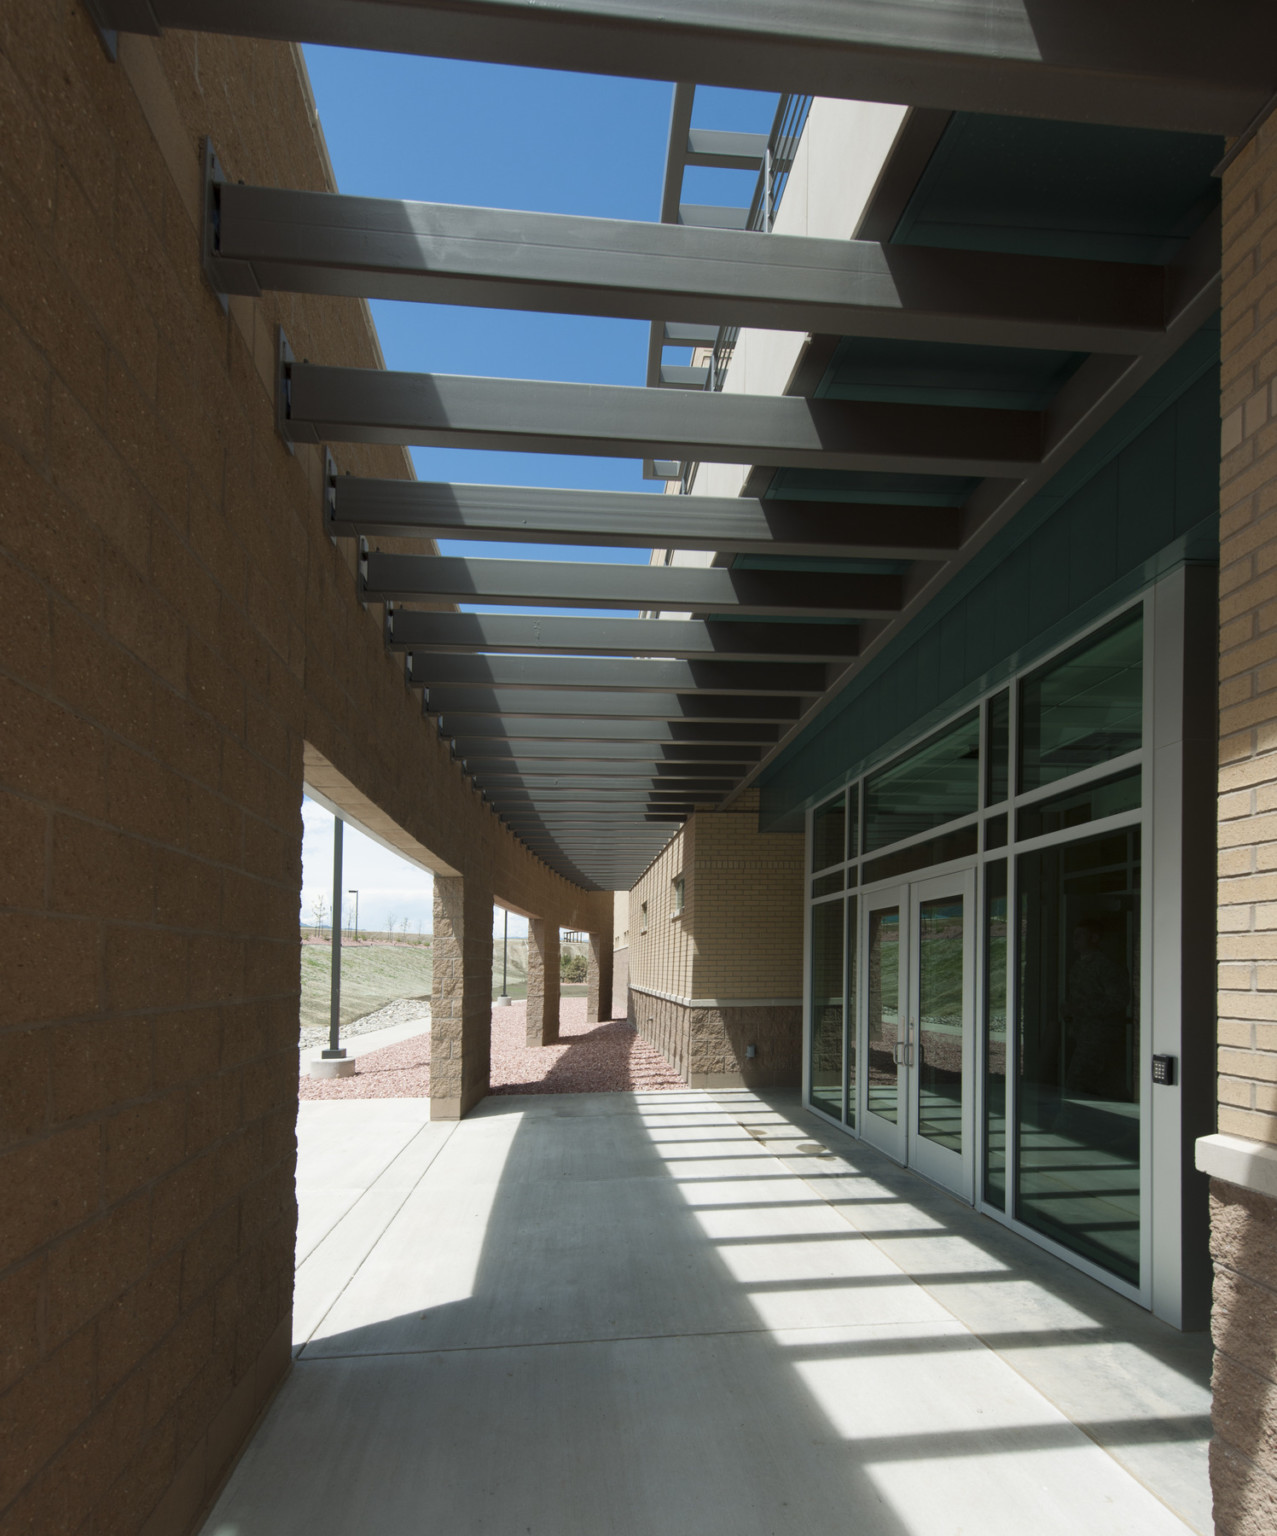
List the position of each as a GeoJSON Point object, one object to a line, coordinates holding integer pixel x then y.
{"type": "Point", "coordinates": [390, 888]}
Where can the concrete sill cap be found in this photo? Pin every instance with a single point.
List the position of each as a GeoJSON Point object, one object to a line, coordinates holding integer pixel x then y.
{"type": "Point", "coordinates": [1237, 1160]}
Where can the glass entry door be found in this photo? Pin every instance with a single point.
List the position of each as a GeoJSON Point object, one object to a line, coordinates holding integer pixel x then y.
{"type": "Point", "coordinates": [918, 1023]}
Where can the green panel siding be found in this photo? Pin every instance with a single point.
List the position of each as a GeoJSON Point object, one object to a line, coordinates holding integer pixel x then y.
{"type": "Point", "coordinates": [1141, 496]}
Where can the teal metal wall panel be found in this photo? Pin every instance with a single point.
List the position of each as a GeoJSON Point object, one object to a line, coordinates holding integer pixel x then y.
{"type": "Point", "coordinates": [1140, 497]}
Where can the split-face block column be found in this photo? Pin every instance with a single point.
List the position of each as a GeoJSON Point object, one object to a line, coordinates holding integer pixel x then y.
{"type": "Point", "coordinates": [598, 979]}
{"type": "Point", "coordinates": [461, 1005]}
{"type": "Point", "coordinates": [543, 981]}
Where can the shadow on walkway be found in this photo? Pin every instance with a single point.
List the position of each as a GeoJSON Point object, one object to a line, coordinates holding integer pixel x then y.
{"type": "Point", "coordinates": [657, 1313]}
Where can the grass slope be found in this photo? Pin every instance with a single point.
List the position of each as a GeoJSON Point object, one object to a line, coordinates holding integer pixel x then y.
{"type": "Point", "coordinates": [373, 975]}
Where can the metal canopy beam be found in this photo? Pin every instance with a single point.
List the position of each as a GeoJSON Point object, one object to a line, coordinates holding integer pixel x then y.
{"type": "Point", "coordinates": [720, 677]}
{"type": "Point", "coordinates": [607, 833]}
{"type": "Point", "coordinates": [507, 792]}
{"type": "Point", "coordinates": [663, 756]}
{"type": "Point", "coordinates": [638, 520]}
{"type": "Point", "coordinates": [516, 812]}
{"type": "Point", "coordinates": [440, 253]}
{"type": "Point", "coordinates": [693, 589]}
{"type": "Point", "coordinates": [691, 732]}
{"type": "Point", "coordinates": [691, 639]}
{"type": "Point", "coordinates": [501, 786]}
{"type": "Point", "coordinates": [490, 772]}
{"type": "Point", "coordinates": [373, 405]}
{"type": "Point", "coordinates": [1174, 64]}
{"type": "Point", "coordinates": [585, 704]}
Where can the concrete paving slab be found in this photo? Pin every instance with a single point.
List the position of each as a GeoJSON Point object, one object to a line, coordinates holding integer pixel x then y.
{"type": "Point", "coordinates": [622, 1319]}
{"type": "Point", "coordinates": [883, 1431]}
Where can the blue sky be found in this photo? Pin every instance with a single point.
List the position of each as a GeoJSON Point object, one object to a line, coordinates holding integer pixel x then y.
{"type": "Point", "coordinates": [443, 130]}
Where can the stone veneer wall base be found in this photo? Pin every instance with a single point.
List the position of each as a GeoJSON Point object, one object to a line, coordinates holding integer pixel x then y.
{"type": "Point", "coordinates": [706, 1040]}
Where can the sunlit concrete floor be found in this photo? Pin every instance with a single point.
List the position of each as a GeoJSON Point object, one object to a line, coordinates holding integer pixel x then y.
{"type": "Point", "coordinates": [677, 1314]}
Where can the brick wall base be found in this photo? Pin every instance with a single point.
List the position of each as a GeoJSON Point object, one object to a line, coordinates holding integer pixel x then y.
{"type": "Point", "coordinates": [1244, 1326]}
{"type": "Point", "coordinates": [707, 1046]}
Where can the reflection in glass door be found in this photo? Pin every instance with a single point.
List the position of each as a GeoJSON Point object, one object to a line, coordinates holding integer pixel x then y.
{"type": "Point", "coordinates": [941, 1043]}
{"type": "Point", "coordinates": [884, 1025]}
{"type": "Point", "coordinates": [826, 993]}
{"type": "Point", "coordinates": [940, 997]}
{"type": "Point", "coordinates": [918, 1025]}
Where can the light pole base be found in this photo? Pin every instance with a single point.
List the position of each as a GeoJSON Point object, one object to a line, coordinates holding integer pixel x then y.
{"type": "Point", "coordinates": [504, 1000]}
{"type": "Point", "coordinates": [334, 1066]}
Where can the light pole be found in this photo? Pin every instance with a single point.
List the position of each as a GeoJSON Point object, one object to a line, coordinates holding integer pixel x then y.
{"type": "Point", "coordinates": [335, 1052]}
{"type": "Point", "coordinates": [504, 1000]}
{"type": "Point", "coordinates": [355, 894]}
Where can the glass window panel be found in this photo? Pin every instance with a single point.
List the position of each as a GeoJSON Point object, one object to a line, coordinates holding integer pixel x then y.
{"type": "Point", "coordinates": [1085, 707]}
{"type": "Point", "coordinates": [1078, 1026]}
{"type": "Point", "coordinates": [853, 932]}
{"type": "Point", "coordinates": [997, 768]}
{"type": "Point", "coordinates": [941, 956]}
{"type": "Point", "coordinates": [932, 850]}
{"type": "Point", "coordinates": [937, 782]}
{"type": "Point", "coordinates": [829, 834]}
{"type": "Point", "coordinates": [995, 1033]}
{"type": "Point", "coordinates": [882, 980]}
{"type": "Point", "coordinates": [826, 885]}
{"type": "Point", "coordinates": [827, 1007]}
{"type": "Point", "coordinates": [995, 831]}
{"type": "Point", "coordinates": [1106, 797]}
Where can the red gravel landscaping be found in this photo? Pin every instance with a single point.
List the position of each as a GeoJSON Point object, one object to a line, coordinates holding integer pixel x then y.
{"type": "Point", "coordinates": [592, 1058]}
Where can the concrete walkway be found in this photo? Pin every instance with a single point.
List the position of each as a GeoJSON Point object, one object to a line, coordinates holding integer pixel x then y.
{"type": "Point", "coordinates": [677, 1314]}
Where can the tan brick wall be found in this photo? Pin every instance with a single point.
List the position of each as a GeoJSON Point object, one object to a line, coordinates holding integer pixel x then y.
{"type": "Point", "coordinates": [749, 918]}
{"type": "Point", "coordinates": [1248, 648]}
{"type": "Point", "coordinates": [1243, 1223]}
{"type": "Point", "coordinates": [741, 930]}
{"type": "Point", "coordinates": [739, 936]}
{"type": "Point", "coordinates": [175, 628]}
{"type": "Point", "coordinates": [663, 946]}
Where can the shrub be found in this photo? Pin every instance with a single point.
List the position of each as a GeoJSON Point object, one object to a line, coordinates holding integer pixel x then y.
{"type": "Point", "coordinates": [572, 967]}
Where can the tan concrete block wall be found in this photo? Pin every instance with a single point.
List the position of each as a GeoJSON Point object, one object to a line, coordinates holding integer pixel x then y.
{"type": "Point", "coordinates": [1248, 648]}
{"type": "Point", "coordinates": [175, 627]}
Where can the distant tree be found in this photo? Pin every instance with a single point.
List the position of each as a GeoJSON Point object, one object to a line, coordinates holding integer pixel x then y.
{"type": "Point", "coordinates": [319, 910]}
{"type": "Point", "coordinates": [392, 922]}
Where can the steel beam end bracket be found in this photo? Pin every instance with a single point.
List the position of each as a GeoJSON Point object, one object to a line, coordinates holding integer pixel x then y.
{"type": "Point", "coordinates": [409, 673]}
{"type": "Point", "coordinates": [363, 574]}
{"type": "Point", "coordinates": [290, 432]}
{"type": "Point", "coordinates": [225, 277]}
{"type": "Point", "coordinates": [111, 17]}
{"type": "Point", "coordinates": [330, 508]}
